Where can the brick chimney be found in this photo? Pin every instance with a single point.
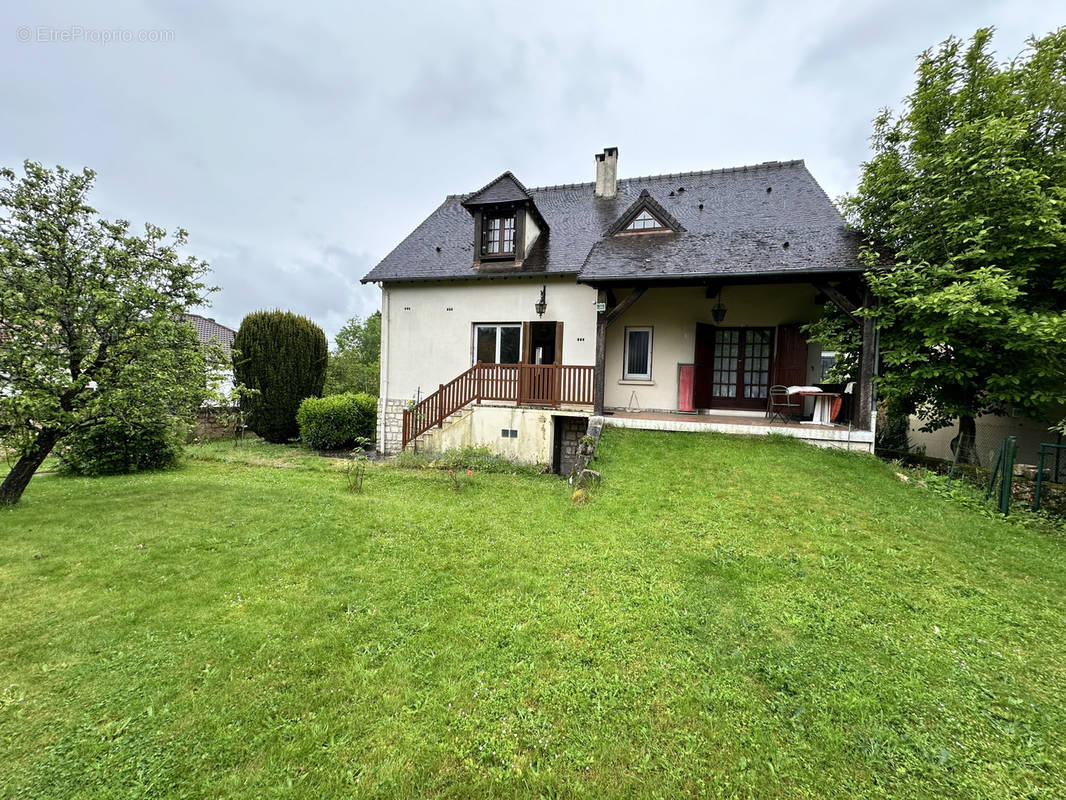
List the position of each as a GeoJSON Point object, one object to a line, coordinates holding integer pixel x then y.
{"type": "Point", "coordinates": [607, 173]}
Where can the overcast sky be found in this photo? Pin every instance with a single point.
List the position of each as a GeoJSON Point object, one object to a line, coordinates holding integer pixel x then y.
{"type": "Point", "coordinates": [300, 142]}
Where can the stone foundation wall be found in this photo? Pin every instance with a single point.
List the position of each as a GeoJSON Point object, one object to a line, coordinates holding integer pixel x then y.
{"type": "Point", "coordinates": [571, 429]}
{"type": "Point", "coordinates": [390, 425]}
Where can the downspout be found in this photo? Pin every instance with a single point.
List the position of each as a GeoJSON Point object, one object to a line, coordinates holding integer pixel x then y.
{"type": "Point", "coordinates": [383, 359]}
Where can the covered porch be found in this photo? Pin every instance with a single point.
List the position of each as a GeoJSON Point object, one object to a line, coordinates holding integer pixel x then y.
{"type": "Point", "coordinates": [843, 436]}
{"type": "Point", "coordinates": [709, 352]}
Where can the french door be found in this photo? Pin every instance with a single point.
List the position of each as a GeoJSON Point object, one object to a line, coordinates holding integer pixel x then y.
{"type": "Point", "coordinates": [732, 366]}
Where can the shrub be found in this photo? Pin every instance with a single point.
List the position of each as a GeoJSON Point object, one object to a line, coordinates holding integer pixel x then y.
{"type": "Point", "coordinates": [116, 448]}
{"type": "Point", "coordinates": [283, 356]}
{"type": "Point", "coordinates": [338, 420]}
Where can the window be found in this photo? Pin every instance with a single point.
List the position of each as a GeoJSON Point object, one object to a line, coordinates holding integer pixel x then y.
{"type": "Point", "coordinates": [497, 344]}
{"type": "Point", "coordinates": [829, 360]}
{"type": "Point", "coordinates": [637, 357]}
{"type": "Point", "coordinates": [644, 222]}
{"type": "Point", "coordinates": [497, 236]}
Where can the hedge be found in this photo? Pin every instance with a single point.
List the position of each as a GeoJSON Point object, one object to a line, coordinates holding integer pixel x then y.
{"type": "Point", "coordinates": [283, 356]}
{"type": "Point", "coordinates": [117, 448]}
{"type": "Point", "coordinates": [337, 420]}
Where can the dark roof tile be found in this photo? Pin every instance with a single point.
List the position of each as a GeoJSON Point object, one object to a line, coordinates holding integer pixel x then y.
{"type": "Point", "coordinates": [207, 329]}
{"type": "Point", "coordinates": [732, 225]}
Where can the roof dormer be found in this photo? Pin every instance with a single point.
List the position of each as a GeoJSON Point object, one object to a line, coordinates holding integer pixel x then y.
{"type": "Point", "coordinates": [506, 222]}
{"type": "Point", "coordinates": [646, 215]}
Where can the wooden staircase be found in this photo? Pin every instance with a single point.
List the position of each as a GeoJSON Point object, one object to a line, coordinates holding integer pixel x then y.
{"type": "Point", "coordinates": [542, 385]}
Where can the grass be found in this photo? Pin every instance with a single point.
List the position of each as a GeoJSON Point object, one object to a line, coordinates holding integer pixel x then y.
{"type": "Point", "coordinates": [728, 617]}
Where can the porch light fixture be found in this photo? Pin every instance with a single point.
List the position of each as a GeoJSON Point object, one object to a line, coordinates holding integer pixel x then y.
{"type": "Point", "coordinates": [718, 312]}
{"type": "Point", "coordinates": [541, 305]}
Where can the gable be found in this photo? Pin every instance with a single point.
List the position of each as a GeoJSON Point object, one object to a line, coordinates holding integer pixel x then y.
{"type": "Point", "coordinates": [504, 189]}
{"type": "Point", "coordinates": [645, 214]}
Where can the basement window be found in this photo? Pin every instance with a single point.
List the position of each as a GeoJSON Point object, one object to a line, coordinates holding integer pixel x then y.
{"type": "Point", "coordinates": [497, 343]}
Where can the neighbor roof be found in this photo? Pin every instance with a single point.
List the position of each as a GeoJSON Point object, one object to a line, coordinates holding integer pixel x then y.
{"type": "Point", "coordinates": [207, 330]}
{"type": "Point", "coordinates": [735, 223]}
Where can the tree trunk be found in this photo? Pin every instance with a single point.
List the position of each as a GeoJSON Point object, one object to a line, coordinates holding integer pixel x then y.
{"type": "Point", "coordinates": [19, 478]}
{"type": "Point", "coordinates": [965, 442]}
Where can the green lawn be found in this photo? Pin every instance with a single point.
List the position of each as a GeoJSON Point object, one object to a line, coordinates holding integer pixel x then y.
{"type": "Point", "coordinates": [728, 617]}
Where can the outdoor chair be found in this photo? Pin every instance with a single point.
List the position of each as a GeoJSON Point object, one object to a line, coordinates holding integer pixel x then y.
{"type": "Point", "coordinates": [781, 405]}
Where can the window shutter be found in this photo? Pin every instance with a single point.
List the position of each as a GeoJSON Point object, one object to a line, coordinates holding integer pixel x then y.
{"type": "Point", "coordinates": [790, 360]}
{"type": "Point", "coordinates": [558, 343]}
{"type": "Point", "coordinates": [702, 370]}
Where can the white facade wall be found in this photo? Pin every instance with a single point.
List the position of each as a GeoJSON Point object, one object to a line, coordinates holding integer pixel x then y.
{"type": "Point", "coordinates": [428, 340]}
{"type": "Point", "coordinates": [483, 426]}
{"type": "Point", "coordinates": [430, 333]}
{"type": "Point", "coordinates": [673, 313]}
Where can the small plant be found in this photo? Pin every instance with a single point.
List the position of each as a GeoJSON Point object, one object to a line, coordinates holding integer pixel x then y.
{"type": "Point", "coordinates": [480, 459]}
{"type": "Point", "coordinates": [355, 472]}
{"type": "Point", "coordinates": [457, 485]}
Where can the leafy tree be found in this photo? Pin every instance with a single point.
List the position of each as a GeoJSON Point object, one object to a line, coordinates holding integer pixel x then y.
{"type": "Point", "coordinates": [354, 366]}
{"type": "Point", "coordinates": [282, 360]}
{"type": "Point", "coordinates": [964, 199]}
{"type": "Point", "coordinates": [90, 328]}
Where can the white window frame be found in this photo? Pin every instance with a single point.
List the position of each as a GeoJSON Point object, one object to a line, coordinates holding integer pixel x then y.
{"type": "Point", "coordinates": [498, 326]}
{"type": "Point", "coordinates": [626, 374]}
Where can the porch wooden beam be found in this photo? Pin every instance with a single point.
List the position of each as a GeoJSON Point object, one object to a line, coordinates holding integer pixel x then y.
{"type": "Point", "coordinates": [867, 356]}
{"type": "Point", "coordinates": [840, 300]}
{"type": "Point", "coordinates": [612, 301]}
{"type": "Point", "coordinates": [627, 301]}
{"type": "Point", "coordinates": [711, 290]}
{"type": "Point", "coordinates": [603, 320]}
{"type": "Point", "coordinates": [601, 364]}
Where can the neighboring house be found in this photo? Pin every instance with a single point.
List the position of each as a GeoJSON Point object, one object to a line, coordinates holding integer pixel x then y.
{"type": "Point", "coordinates": [671, 302]}
{"type": "Point", "coordinates": [991, 430]}
{"type": "Point", "coordinates": [208, 331]}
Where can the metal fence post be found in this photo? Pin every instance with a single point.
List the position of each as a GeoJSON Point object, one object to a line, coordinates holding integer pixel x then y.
{"type": "Point", "coordinates": [1039, 478]}
{"type": "Point", "coordinates": [995, 470]}
{"type": "Point", "coordinates": [1008, 474]}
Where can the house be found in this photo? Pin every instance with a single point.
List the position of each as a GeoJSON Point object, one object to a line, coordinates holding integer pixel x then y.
{"type": "Point", "coordinates": [674, 302]}
{"type": "Point", "coordinates": [209, 331]}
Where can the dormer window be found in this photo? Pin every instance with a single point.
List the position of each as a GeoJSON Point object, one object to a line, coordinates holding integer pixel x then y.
{"type": "Point", "coordinates": [644, 222]}
{"type": "Point", "coordinates": [646, 215]}
{"type": "Point", "coordinates": [507, 224]}
{"type": "Point", "coordinates": [498, 236]}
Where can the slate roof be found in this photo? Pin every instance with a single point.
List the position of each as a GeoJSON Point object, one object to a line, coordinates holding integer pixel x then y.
{"type": "Point", "coordinates": [735, 223]}
{"type": "Point", "coordinates": [207, 329]}
{"type": "Point", "coordinates": [504, 189]}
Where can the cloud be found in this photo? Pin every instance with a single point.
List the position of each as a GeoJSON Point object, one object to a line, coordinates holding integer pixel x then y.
{"type": "Point", "coordinates": [321, 283]}
{"type": "Point", "coordinates": [299, 144]}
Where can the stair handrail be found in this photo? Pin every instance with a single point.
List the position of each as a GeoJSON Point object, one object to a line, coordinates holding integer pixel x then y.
{"type": "Point", "coordinates": [441, 404]}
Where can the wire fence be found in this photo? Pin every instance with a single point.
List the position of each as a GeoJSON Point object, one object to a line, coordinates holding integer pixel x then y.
{"type": "Point", "coordinates": [1032, 474]}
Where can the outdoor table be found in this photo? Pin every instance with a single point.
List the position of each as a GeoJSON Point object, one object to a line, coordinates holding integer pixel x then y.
{"type": "Point", "coordinates": [823, 406]}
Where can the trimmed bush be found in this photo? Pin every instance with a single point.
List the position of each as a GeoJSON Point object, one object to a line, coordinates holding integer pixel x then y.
{"type": "Point", "coordinates": [283, 355]}
{"type": "Point", "coordinates": [337, 420]}
{"type": "Point", "coordinates": [117, 448]}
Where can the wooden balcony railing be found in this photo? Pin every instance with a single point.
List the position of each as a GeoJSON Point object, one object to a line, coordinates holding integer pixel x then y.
{"type": "Point", "coordinates": [551, 385]}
